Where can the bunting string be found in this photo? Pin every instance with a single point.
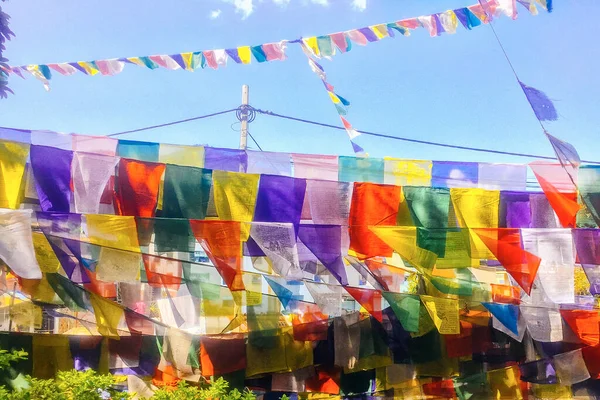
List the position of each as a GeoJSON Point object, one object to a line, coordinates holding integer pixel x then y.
{"type": "Point", "coordinates": [320, 46]}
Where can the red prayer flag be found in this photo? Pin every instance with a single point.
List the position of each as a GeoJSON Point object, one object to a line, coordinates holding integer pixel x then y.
{"type": "Point", "coordinates": [505, 245]}
{"type": "Point", "coordinates": [369, 299]}
{"type": "Point", "coordinates": [585, 324]}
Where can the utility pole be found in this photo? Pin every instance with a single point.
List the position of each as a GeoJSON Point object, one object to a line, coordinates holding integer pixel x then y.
{"type": "Point", "coordinates": [244, 118]}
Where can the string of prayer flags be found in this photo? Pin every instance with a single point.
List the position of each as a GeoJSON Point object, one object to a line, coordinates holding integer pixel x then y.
{"type": "Point", "coordinates": [318, 46]}
{"type": "Point", "coordinates": [311, 50]}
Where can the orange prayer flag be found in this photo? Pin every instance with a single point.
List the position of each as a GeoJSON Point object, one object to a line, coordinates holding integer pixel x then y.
{"type": "Point", "coordinates": [222, 242]}
{"type": "Point", "coordinates": [309, 323]}
{"type": "Point", "coordinates": [505, 294]}
{"type": "Point", "coordinates": [372, 204]}
{"type": "Point", "coordinates": [559, 190]}
{"type": "Point", "coordinates": [505, 245]}
{"type": "Point", "coordinates": [137, 187]}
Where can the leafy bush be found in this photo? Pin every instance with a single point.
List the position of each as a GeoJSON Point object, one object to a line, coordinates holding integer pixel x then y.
{"type": "Point", "coordinates": [89, 385]}
{"type": "Point", "coordinates": [219, 389]}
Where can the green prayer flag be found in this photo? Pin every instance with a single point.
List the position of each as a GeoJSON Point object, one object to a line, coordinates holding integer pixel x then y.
{"type": "Point", "coordinates": [75, 298]}
{"type": "Point", "coordinates": [429, 209]}
{"type": "Point", "coordinates": [186, 192]}
{"type": "Point", "coordinates": [406, 308]}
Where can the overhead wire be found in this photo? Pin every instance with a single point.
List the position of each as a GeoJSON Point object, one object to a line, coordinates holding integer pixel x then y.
{"type": "Point", "coordinates": [173, 122]}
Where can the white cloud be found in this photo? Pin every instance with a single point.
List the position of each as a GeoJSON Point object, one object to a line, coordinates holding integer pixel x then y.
{"type": "Point", "coordinates": [214, 14]}
{"type": "Point", "coordinates": [320, 2]}
{"type": "Point", "coordinates": [281, 3]}
{"type": "Point", "coordinates": [244, 7]}
{"type": "Point", "coordinates": [359, 5]}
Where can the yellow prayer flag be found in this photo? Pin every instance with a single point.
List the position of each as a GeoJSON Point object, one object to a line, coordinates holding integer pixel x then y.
{"type": "Point", "coordinates": [114, 231]}
{"type": "Point", "coordinates": [235, 195]}
{"type": "Point", "coordinates": [245, 54]}
{"type": "Point", "coordinates": [13, 157]}
{"type": "Point", "coordinates": [118, 266]}
{"type": "Point", "coordinates": [380, 30]}
{"type": "Point", "coordinates": [51, 354]}
{"type": "Point", "coordinates": [505, 383]}
{"type": "Point", "coordinates": [88, 67]}
{"type": "Point", "coordinates": [555, 391]}
{"type": "Point", "coordinates": [108, 315]}
{"type": "Point", "coordinates": [187, 60]}
{"type": "Point", "coordinates": [26, 315]}
{"type": "Point", "coordinates": [312, 44]}
{"type": "Point", "coordinates": [476, 208]}
{"type": "Point", "coordinates": [444, 313]}
{"type": "Point", "coordinates": [44, 253]}
{"type": "Point", "coordinates": [334, 98]}
{"type": "Point", "coordinates": [403, 239]}
{"type": "Point", "coordinates": [189, 156]}
{"type": "Point", "coordinates": [407, 172]}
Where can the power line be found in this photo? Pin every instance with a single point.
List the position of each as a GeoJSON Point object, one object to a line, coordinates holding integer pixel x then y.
{"type": "Point", "coordinates": [173, 122]}
{"type": "Point", "coordinates": [270, 113]}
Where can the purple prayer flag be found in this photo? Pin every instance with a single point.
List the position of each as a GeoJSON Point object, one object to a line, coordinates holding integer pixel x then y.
{"type": "Point", "coordinates": [68, 253]}
{"type": "Point", "coordinates": [515, 210]}
{"type": "Point", "coordinates": [540, 103]}
{"type": "Point", "coordinates": [52, 171]}
{"type": "Point", "coordinates": [233, 53]}
{"type": "Point", "coordinates": [325, 242]}
{"type": "Point", "coordinates": [86, 351]}
{"type": "Point", "coordinates": [357, 149]}
{"type": "Point", "coordinates": [540, 371]}
{"type": "Point", "coordinates": [280, 199]}
{"type": "Point", "coordinates": [233, 160]}
{"type": "Point", "coordinates": [78, 67]}
{"type": "Point", "coordinates": [439, 28]}
{"type": "Point", "coordinates": [566, 153]}
{"type": "Point", "coordinates": [179, 60]}
{"type": "Point", "coordinates": [587, 245]}
{"type": "Point", "coordinates": [369, 34]}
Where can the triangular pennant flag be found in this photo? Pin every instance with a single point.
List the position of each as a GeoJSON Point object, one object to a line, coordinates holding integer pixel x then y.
{"type": "Point", "coordinates": [325, 242]}
{"type": "Point", "coordinates": [542, 106]}
{"type": "Point", "coordinates": [278, 285]}
{"type": "Point", "coordinates": [565, 152]}
{"type": "Point", "coordinates": [508, 314]}
{"type": "Point", "coordinates": [564, 204]}
{"type": "Point", "coordinates": [505, 245]}
{"type": "Point", "coordinates": [407, 309]}
{"type": "Point", "coordinates": [369, 299]}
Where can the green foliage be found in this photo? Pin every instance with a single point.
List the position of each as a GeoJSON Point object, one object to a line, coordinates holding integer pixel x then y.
{"type": "Point", "coordinates": [7, 358]}
{"type": "Point", "coordinates": [89, 385]}
{"type": "Point", "coordinates": [218, 389]}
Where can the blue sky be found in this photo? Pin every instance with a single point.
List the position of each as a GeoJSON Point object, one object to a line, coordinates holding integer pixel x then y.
{"type": "Point", "coordinates": [454, 88]}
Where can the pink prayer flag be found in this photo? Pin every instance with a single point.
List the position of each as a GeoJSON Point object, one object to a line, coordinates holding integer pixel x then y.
{"type": "Point", "coordinates": [340, 41]}
{"type": "Point", "coordinates": [357, 37]}
{"type": "Point", "coordinates": [274, 51]}
{"type": "Point", "coordinates": [159, 60]}
{"type": "Point", "coordinates": [210, 58]}
{"type": "Point", "coordinates": [410, 23]}
{"type": "Point", "coordinates": [310, 166]}
{"type": "Point", "coordinates": [63, 69]}
{"type": "Point", "coordinates": [428, 22]}
{"type": "Point", "coordinates": [110, 67]}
